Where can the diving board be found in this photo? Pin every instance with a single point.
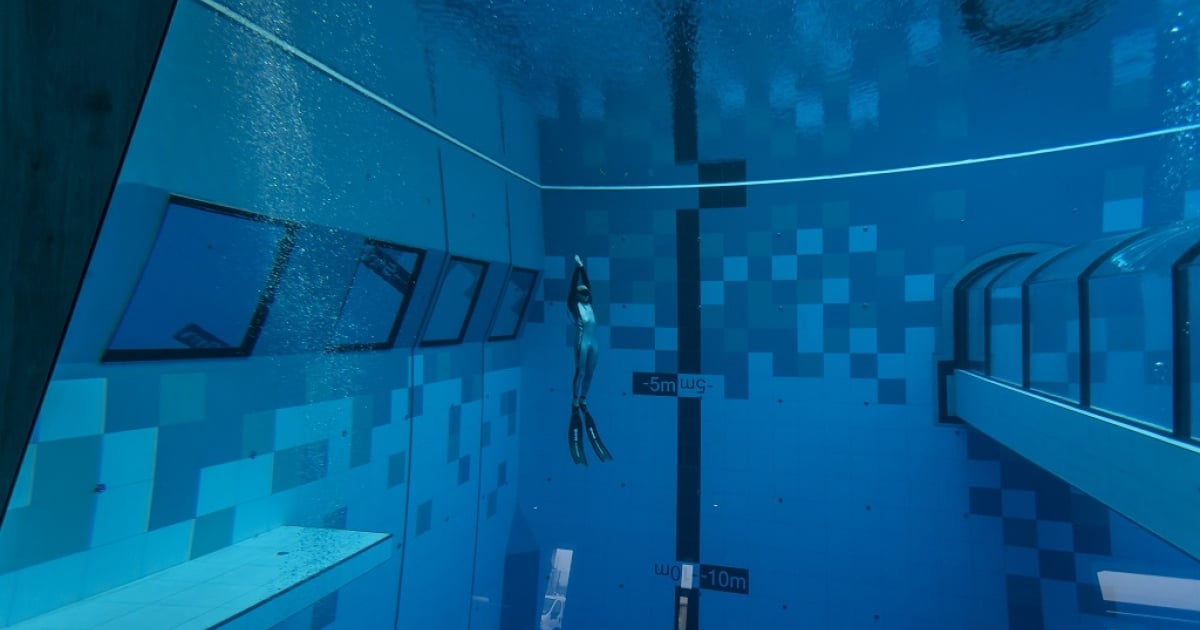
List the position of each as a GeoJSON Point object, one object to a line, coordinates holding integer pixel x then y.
{"type": "Point", "coordinates": [256, 583]}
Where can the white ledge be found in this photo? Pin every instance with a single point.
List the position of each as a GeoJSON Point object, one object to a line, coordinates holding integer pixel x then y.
{"type": "Point", "coordinates": [254, 584]}
{"type": "Point", "coordinates": [1151, 479]}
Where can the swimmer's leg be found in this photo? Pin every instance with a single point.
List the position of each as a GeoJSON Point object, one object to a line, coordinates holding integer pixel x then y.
{"type": "Point", "coordinates": [575, 438]}
{"type": "Point", "coordinates": [594, 437]}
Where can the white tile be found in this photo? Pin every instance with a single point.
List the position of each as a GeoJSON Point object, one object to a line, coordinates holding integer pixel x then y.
{"type": "Point", "coordinates": [72, 408]}
{"type": "Point", "coordinates": [121, 512]}
{"type": "Point", "coordinates": [128, 456]}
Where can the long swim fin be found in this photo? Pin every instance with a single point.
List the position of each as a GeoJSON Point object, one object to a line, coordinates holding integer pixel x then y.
{"type": "Point", "coordinates": [594, 437]}
{"type": "Point", "coordinates": [575, 439]}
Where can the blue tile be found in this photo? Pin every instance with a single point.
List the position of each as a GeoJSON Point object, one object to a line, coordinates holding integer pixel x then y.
{"type": "Point", "coordinates": [464, 469]}
{"type": "Point", "coordinates": [862, 238]}
{"type": "Point", "coordinates": [985, 501]}
{"type": "Point", "coordinates": [1020, 532]}
{"type": "Point", "coordinates": [712, 292]}
{"type": "Point", "coordinates": [1055, 536]}
{"type": "Point", "coordinates": [397, 469]}
{"type": "Point", "coordinates": [630, 338]}
{"type": "Point", "coordinates": [1021, 561]}
{"type": "Point", "coordinates": [1024, 603]}
{"type": "Point", "coordinates": [424, 517]}
{"type": "Point", "coordinates": [783, 267]}
{"type": "Point", "coordinates": [918, 288]}
{"type": "Point", "coordinates": [892, 391]}
{"type": "Point", "coordinates": [863, 340]}
{"type": "Point", "coordinates": [835, 290]}
{"type": "Point", "coordinates": [735, 268]}
{"type": "Point", "coordinates": [1057, 565]}
{"type": "Point", "coordinates": [1019, 504]}
{"type": "Point", "coordinates": [324, 612]}
{"type": "Point", "coordinates": [863, 366]}
{"type": "Point", "coordinates": [810, 241]}
{"type": "Point", "coordinates": [213, 531]}
{"type": "Point", "coordinates": [300, 465]}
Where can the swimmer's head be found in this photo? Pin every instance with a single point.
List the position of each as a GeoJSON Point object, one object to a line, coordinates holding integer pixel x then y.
{"type": "Point", "coordinates": [585, 295]}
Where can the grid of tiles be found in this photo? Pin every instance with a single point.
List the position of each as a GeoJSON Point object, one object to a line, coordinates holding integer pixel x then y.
{"type": "Point", "coordinates": [1055, 540]}
{"type": "Point", "coordinates": [139, 470]}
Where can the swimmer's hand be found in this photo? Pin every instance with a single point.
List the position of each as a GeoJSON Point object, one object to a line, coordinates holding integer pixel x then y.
{"type": "Point", "coordinates": [578, 262]}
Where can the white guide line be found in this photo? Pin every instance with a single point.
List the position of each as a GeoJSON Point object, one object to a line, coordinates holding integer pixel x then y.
{"type": "Point", "coordinates": [416, 120]}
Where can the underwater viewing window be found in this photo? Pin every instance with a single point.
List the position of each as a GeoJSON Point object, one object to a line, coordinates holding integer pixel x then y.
{"type": "Point", "coordinates": [511, 312]}
{"type": "Point", "coordinates": [1131, 323]}
{"type": "Point", "coordinates": [975, 308]}
{"type": "Point", "coordinates": [206, 286]}
{"type": "Point", "coordinates": [378, 297]}
{"type": "Point", "coordinates": [1006, 318]}
{"type": "Point", "coordinates": [456, 301]}
{"type": "Point", "coordinates": [1054, 318]}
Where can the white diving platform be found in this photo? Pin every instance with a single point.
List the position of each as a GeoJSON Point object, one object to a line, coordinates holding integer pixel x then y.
{"type": "Point", "coordinates": [256, 583]}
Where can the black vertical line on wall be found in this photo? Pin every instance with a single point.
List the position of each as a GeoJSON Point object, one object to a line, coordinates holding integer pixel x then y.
{"type": "Point", "coordinates": [687, 502]}
{"type": "Point", "coordinates": [681, 39]}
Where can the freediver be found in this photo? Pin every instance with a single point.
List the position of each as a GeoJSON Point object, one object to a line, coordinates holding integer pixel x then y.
{"type": "Point", "coordinates": [579, 304]}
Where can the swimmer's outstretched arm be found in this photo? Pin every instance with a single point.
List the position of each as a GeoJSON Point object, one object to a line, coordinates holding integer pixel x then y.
{"type": "Point", "coordinates": [573, 293]}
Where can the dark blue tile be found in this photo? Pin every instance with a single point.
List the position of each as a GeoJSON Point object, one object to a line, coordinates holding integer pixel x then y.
{"type": "Point", "coordinates": [890, 337]}
{"type": "Point", "coordinates": [1020, 532]}
{"type": "Point", "coordinates": [397, 469]}
{"type": "Point", "coordinates": [485, 435]}
{"type": "Point", "coordinates": [666, 361]}
{"type": "Point", "coordinates": [892, 391]}
{"type": "Point", "coordinates": [508, 402]}
{"type": "Point", "coordinates": [1088, 511]}
{"type": "Point", "coordinates": [1092, 539]}
{"type": "Point", "coordinates": [760, 268]}
{"type": "Point", "coordinates": [212, 532]}
{"type": "Point", "coordinates": [863, 366]}
{"type": "Point", "coordinates": [418, 401]}
{"type": "Point", "coordinates": [837, 316]}
{"type": "Point", "coordinates": [300, 465]}
{"type": "Point", "coordinates": [324, 612]}
{"type": "Point", "coordinates": [424, 517]}
{"type": "Point", "coordinates": [985, 501]}
{"type": "Point", "coordinates": [1024, 603]}
{"type": "Point", "coordinates": [737, 377]}
{"type": "Point", "coordinates": [502, 474]}
{"type": "Point", "coordinates": [837, 340]}
{"type": "Point", "coordinates": [132, 403]}
{"type": "Point", "coordinates": [783, 292]}
{"type": "Point", "coordinates": [1090, 599]}
{"type": "Point", "coordinates": [464, 469]}
{"type": "Point", "coordinates": [1057, 565]}
{"type": "Point", "coordinates": [632, 337]}
{"type": "Point", "coordinates": [1054, 503]}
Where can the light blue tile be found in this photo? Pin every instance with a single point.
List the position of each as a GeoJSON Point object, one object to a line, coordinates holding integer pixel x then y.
{"type": "Point", "coordinates": [127, 456]}
{"type": "Point", "coordinates": [121, 512]}
{"type": "Point", "coordinates": [810, 241]}
{"type": "Point", "coordinates": [168, 546]}
{"type": "Point", "coordinates": [712, 292]}
{"type": "Point", "coordinates": [305, 424]}
{"type": "Point", "coordinates": [810, 328]}
{"type": "Point", "coordinates": [72, 408]}
{"type": "Point", "coordinates": [254, 477]}
{"type": "Point", "coordinates": [23, 489]}
{"type": "Point", "coordinates": [862, 238]}
{"type": "Point", "coordinates": [219, 487]}
{"type": "Point", "coordinates": [918, 288]}
{"type": "Point", "coordinates": [1018, 504]}
{"type": "Point", "coordinates": [666, 339]}
{"type": "Point", "coordinates": [783, 267]}
{"type": "Point", "coordinates": [110, 566]}
{"type": "Point", "coordinates": [835, 290]}
{"type": "Point", "coordinates": [1122, 214]}
{"type": "Point", "coordinates": [253, 518]}
{"type": "Point", "coordinates": [863, 340]}
{"type": "Point", "coordinates": [736, 268]}
{"type": "Point", "coordinates": [45, 587]}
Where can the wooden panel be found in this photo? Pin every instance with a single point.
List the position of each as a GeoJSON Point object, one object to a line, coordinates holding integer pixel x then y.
{"type": "Point", "coordinates": [73, 77]}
